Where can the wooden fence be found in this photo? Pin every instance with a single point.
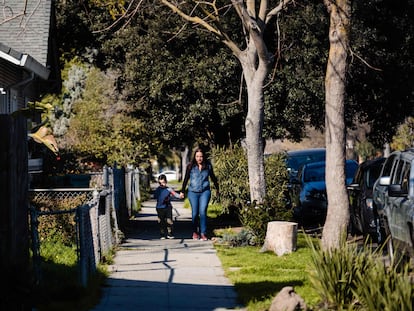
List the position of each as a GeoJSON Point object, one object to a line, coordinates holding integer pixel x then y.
{"type": "Point", "coordinates": [14, 228]}
{"type": "Point", "coordinates": [120, 186]}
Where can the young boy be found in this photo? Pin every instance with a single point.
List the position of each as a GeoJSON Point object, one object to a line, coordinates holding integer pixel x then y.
{"type": "Point", "coordinates": [164, 208]}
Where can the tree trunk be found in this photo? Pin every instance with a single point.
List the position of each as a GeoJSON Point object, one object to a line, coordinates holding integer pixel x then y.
{"type": "Point", "coordinates": [335, 84]}
{"type": "Point", "coordinates": [254, 141]}
{"type": "Point", "coordinates": [281, 237]}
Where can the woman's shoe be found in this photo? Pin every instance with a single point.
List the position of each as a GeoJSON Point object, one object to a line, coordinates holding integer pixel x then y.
{"type": "Point", "coordinates": [195, 236]}
{"type": "Point", "coordinates": [203, 237]}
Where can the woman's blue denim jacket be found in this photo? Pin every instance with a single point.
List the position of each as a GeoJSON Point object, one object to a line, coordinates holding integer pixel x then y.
{"type": "Point", "coordinates": [199, 181]}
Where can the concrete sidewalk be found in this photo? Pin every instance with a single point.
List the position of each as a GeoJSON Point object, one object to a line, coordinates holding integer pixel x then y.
{"type": "Point", "coordinates": [153, 274]}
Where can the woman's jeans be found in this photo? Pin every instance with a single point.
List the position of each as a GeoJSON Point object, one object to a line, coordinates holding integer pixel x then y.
{"type": "Point", "coordinates": [199, 202]}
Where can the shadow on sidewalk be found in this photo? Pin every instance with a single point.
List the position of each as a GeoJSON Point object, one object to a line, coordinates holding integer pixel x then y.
{"type": "Point", "coordinates": [145, 225]}
{"type": "Point", "coordinates": [176, 275]}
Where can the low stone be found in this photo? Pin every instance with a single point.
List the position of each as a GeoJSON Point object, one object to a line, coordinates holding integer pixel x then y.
{"type": "Point", "coordinates": [288, 300]}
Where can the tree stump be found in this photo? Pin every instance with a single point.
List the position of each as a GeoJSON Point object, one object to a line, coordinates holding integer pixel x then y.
{"type": "Point", "coordinates": [281, 237]}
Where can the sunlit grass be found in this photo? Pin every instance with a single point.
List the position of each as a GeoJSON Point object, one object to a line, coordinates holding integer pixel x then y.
{"type": "Point", "coordinates": [59, 285]}
{"type": "Point", "coordinates": [258, 277]}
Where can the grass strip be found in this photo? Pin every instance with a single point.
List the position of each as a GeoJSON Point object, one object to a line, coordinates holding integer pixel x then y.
{"type": "Point", "coordinates": [258, 277]}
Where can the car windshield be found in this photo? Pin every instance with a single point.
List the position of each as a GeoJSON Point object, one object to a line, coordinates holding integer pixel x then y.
{"type": "Point", "coordinates": [295, 162]}
{"type": "Point", "coordinates": [315, 173]}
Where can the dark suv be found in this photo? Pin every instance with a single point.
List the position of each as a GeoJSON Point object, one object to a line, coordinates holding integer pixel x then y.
{"type": "Point", "coordinates": [308, 192]}
{"type": "Point", "coordinates": [394, 200]}
{"type": "Point", "coordinates": [296, 158]}
{"type": "Point", "coordinates": [363, 216]}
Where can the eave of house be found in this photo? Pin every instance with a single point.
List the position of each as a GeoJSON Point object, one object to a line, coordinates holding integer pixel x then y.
{"type": "Point", "coordinates": [24, 60]}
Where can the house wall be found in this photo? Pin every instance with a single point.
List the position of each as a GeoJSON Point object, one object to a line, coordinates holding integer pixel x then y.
{"type": "Point", "coordinates": [17, 87]}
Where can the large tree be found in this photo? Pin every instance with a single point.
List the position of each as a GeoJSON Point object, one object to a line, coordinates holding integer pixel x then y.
{"type": "Point", "coordinates": [255, 60]}
{"type": "Point", "coordinates": [335, 92]}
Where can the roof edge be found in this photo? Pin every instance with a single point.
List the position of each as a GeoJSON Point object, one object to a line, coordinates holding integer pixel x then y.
{"type": "Point", "coordinates": [23, 60]}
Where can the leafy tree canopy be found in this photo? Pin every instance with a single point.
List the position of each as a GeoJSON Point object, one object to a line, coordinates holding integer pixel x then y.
{"type": "Point", "coordinates": [380, 89]}
{"type": "Point", "coordinates": [179, 81]}
{"type": "Point", "coordinates": [184, 85]}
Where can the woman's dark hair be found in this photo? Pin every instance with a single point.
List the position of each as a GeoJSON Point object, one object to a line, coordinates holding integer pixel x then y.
{"type": "Point", "coordinates": [194, 162]}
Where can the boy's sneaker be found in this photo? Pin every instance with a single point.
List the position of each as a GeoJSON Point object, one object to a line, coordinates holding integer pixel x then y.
{"type": "Point", "coordinates": [162, 238]}
{"type": "Point", "coordinates": [203, 237]}
{"type": "Point", "coordinates": [170, 236]}
{"type": "Point", "coordinates": [195, 236]}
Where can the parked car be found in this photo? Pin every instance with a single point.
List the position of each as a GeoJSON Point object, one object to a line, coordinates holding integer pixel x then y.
{"type": "Point", "coordinates": [171, 175]}
{"type": "Point", "coordinates": [364, 218]}
{"type": "Point", "coordinates": [308, 192]}
{"type": "Point", "coordinates": [394, 200]}
{"type": "Point", "coordinates": [296, 158]}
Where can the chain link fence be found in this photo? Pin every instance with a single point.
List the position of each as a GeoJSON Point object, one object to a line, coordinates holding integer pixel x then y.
{"type": "Point", "coordinates": [97, 216]}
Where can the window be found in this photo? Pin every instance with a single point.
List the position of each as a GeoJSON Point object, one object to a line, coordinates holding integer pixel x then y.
{"type": "Point", "coordinates": [13, 101]}
{"type": "Point", "coordinates": [397, 176]}
{"type": "Point", "coordinates": [388, 165]}
{"type": "Point", "coordinates": [3, 101]}
{"type": "Point", "coordinates": [406, 177]}
{"type": "Point", "coordinates": [8, 101]}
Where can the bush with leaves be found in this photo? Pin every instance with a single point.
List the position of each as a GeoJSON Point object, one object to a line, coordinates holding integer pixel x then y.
{"type": "Point", "coordinates": [230, 167]}
{"type": "Point", "coordinates": [237, 239]}
{"type": "Point", "coordinates": [60, 227]}
{"type": "Point", "coordinates": [232, 172]}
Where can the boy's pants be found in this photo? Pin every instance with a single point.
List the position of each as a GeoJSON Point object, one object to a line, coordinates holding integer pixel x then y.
{"type": "Point", "coordinates": [165, 221]}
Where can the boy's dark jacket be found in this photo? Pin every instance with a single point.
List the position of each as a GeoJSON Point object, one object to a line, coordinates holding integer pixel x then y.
{"type": "Point", "coordinates": [162, 194]}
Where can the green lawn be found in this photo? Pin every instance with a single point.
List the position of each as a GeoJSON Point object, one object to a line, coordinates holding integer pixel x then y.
{"type": "Point", "coordinates": [258, 277]}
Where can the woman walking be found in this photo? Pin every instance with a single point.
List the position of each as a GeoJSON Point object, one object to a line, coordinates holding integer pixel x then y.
{"type": "Point", "coordinates": [198, 172]}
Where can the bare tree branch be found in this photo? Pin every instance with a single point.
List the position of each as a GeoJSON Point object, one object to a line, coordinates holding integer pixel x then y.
{"type": "Point", "coordinates": [128, 14]}
{"type": "Point", "coordinates": [197, 20]}
{"type": "Point", "coordinates": [364, 61]}
{"type": "Point", "coordinates": [254, 30]}
{"type": "Point", "coordinates": [277, 9]}
{"type": "Point", "coordinates": [11, 16]}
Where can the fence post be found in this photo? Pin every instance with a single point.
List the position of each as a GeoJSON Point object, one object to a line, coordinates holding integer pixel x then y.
{"type": "Point", "coordinates": [128, 190]}
{"type": "Point", "coordinates": [34, 223]}
{"type": "Point", "coordinates": [14, 214]}
{"type": "Point", "coordinates": [137, 184]}
{"type": "Point", "coordinates": [119, 196]}
{"type": "Point", "coordinates": [83, 274]}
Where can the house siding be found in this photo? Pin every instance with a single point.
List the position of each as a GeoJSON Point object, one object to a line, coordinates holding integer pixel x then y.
{"type": "Point", "coordinates": [10, 78]}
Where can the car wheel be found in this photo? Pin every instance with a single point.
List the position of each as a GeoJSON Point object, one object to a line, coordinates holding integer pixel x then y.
{"type": "Point", "coordinates": [351, 228]}
{"type": "Point", "coordinates": [412, 241]}
{"type": "Point", "coordinates": [378, 235]}
{"type": "Point", "coordinates": [394, 253]}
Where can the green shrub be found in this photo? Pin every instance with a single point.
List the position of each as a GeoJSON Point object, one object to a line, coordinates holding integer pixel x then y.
{"type": "Point", "coordinates": [255, 218]}
{"type": "Point", "coordinates": [334, 271]}
{"type": "Point", "coordinates": [58, 227]}
{"type": "Point", "coordinates": [230, 166]}
{"type": "Point", "coordinates": [354, 277]}
{"type": "Point", "coordinates": [277, 177]}
{"type": "Point", "coordinates": [237, 239]}
{"type": "Point", "coordinates": [384, 288]}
